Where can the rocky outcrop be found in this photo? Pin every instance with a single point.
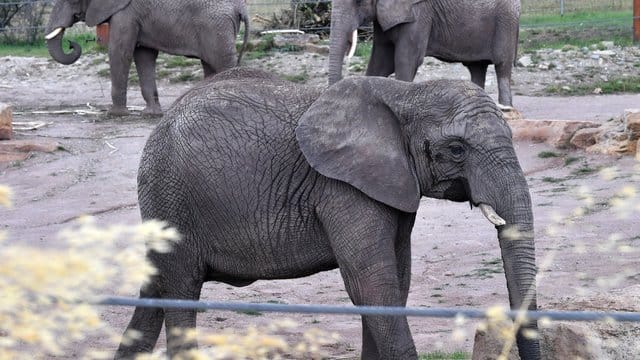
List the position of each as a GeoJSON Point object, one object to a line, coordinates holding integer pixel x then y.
{"type": "Point", "coordinates": [602, 340]}
{"type": "Point", "coordinates": [6, 122]}
{"type": "Point", "coordinates": [619, 136]}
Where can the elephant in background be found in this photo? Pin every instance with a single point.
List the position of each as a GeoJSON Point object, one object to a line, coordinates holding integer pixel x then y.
{"type": "Point", "coordinates": [474, 32]}
{"type": "Point", "coordinates": [267, 179]}
{"type": "Point", "coordinates": [139, 29]}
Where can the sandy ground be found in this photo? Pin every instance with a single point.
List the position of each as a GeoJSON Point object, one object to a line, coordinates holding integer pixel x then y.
{"type": "Point", "coordinates": [455, 251]}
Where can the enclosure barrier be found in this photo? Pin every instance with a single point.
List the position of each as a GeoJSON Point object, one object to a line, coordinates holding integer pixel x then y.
{"type": "Point", "coordinates": [433, 312]}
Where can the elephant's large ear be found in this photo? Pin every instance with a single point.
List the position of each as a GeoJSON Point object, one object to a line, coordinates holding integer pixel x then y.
{"type": "Point", "coordinates": [392, 12]}
{"type": "Point", "coordinates": [99, 11]}
{"type": "Point", "coordinates": [349, 135]}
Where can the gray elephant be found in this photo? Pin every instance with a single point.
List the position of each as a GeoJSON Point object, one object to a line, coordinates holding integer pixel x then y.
{"type": "Point", "coordinates": [475, 33]}
{"type": "Point", "coordinates": [139, 29]}
{"type": "Point", "coordinates": [267, 179]}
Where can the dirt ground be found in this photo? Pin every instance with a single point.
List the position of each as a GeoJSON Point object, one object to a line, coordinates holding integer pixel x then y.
{"type": "Point", "coordinates": [455, 251]}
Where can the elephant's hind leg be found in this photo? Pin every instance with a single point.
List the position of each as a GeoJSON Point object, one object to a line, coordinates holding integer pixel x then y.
{"type": "Point", "coordinates": [143, 329]}
{"type": "Point", "coordinates": [145, 60]}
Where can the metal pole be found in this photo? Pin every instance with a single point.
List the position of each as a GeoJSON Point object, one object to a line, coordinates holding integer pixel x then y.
{"type": "Point", "coordinates": [636, 21]}
{"type": "Point", "coordinates": [561, 7]}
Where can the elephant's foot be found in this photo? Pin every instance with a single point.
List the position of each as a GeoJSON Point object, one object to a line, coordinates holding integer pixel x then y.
{"type": "Point", "coordinates": [118, 110]}
{"type": "Point", "coordinates": [152, 111]}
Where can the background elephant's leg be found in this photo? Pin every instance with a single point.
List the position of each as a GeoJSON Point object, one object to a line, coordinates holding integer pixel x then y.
{"type": "Point", "coordinates": [121, 46]}
{"type": "Point", "coordinates": [178, 321]}
{"type": "Point", "coordinates": [145, 60]}
{"type": "Point", "coordinates": [207, 69]}
{"type": "Point", "coordinates": [147, 322]}
{"type": "Point", "coordinates": [503, 73]}
{"type": "Point", "coordinates": [478, 71]}
{"type": "Point", "coordinates": [411, 47]}
{"type": "Point", "coordinates": [381, 62]}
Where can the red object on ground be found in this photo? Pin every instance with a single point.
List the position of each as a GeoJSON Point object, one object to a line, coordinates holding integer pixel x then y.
{"type": "Point", "coordinates": [102, 33]}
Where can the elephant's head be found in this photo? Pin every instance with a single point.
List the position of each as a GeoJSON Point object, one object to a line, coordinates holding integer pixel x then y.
{"type": "Point", "coordinates": [397, 141]}
{"type": "Point", "coordinates": [347, 15]}
{"type": "Point", "coordinates": [65, 13]}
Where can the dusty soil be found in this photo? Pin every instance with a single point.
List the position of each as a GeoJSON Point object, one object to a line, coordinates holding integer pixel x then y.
{"type": "Point", "coordinates": [455, 251]}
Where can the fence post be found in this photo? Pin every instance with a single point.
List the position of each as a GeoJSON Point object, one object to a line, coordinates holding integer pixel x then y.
{"type": "Point", "coordinates": [561, 7]}
{"type": "Point", "coordinates": [636, 21]}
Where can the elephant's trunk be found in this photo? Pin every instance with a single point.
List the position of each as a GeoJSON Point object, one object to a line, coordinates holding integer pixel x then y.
{"type": "Point", "coordinates": [518, 256]}
{"type": "Point", "coordinates": [342, 26]}
{"type": "Point", "coordinates": [54, 45]}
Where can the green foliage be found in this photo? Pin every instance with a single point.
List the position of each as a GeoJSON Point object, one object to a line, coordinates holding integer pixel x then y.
{"type": "Point", "coordinates": [547, 154]}
{"type": "Point", "coordinates": [39, 48]}
{"type": "Point", "coordinates": [439, 355]}
{"type": "Point", "coordinates": [363, 49]}
{"type": "Point", "coordinates": [301, 78]}
{"type": "Point", "coordinates": [627, 84]}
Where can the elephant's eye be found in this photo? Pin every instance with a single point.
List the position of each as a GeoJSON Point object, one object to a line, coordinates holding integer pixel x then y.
{"type": "Point", "coordinates": [456, 150]}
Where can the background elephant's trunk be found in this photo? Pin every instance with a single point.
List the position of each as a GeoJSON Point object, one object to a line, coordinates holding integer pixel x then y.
{"type": "Point", "coordinates": [54, 45]}
{"type": "Point", "coordinates": [518, 256]}
{"type": "Point", "coordinates": [342, 26]}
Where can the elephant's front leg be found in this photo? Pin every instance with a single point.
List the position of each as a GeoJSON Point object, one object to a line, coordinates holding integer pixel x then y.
{"type": "Point", "coordinates": [122, 41]}
{"type": "Point", "coordinates": [145, 60]}
{"type": "Point", "coordinates": [411, 48]}
{"type": "Point", "coordinates": [365, 249]}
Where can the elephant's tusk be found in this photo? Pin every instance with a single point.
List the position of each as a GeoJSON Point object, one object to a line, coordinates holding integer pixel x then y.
{"type": "Point", "coordinates": [54, 33]}
{"type": "Point", "coordinates": [354, 43]}
{"type": "Point", "coordinates": [491, 215]}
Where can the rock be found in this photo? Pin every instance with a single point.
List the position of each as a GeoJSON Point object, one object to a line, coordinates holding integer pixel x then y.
{"type": "Point", "coordinates": [607, 44]}
{"type": "Point", "coordinates": [525, 61]}
{"type": "Point", "coordinates": [6, 122]}
{"type": "Point", "coordinates": [632, 121]}
{"type": "Point", "coordinates": [585, 137]}
{"type": "Point", "coordinates": [604, 53]}
{"type": "Point", "coordinates": [557, 133]}
{"type": "Point", "coordinates": [559, 341]}
{"type": "Point", "coordinates": [638, 150]}
{"type": "Point", "coordinates": [12, 150]}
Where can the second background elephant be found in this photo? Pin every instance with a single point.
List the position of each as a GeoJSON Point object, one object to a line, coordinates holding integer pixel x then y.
{"type": "Point", "coordinates": [475, 33]}
{"type": "Point", "coordinates": [200, 29]}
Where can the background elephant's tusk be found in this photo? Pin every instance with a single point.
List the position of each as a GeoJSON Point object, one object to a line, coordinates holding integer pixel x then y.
{"type": "Point", "coordinates": [354, 43]}
{"type": "Point", "coordinates": [54, 33]}
{"type": "Point", "coordinates": [491, 215]}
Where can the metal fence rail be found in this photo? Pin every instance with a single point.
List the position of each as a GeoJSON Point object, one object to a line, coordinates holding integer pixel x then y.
{"type": "Point", "coordinates": [265, 9]}
{"type": "Point", "coordinates": [434, 312]}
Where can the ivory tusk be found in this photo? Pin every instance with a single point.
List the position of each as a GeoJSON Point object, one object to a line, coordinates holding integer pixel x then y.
{"type": "Point", "coordinates": [54, 33]}
{"type": "Point", "coordinates": [354, 43]}
{"type": "Point", "coordinates": [491, 215]}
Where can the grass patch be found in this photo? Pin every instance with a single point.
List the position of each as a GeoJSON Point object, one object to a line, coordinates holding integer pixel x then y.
{"type": "Point", "coordinates": [584, 170]}
{"type": "Point", "coordinates": [183, 77]}
{"type": "Point", "coordinates": [580, 29]}
{"type": "Point", "coordinates": [570, 160]}
{"type": "Point", "coordinates": [548, 154]}
{"type": "Point", "coordinates": [174, 62]}
{"type": "Point", "coordinates": [628, 84]}
{"type": "Point", "coordinates": [439, 355]}
{"type": "Point", "coordinates": [487, 270]}
{"type": "Point", "coordinates": [86, 40]}
{"type": "Point", "coordinates": [363, 49]}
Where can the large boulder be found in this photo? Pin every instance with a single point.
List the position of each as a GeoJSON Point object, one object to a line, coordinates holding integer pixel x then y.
{"type": "Point", "coordinates": [6, 122]}
{"type": "Point", "coordinates": [573, 340]}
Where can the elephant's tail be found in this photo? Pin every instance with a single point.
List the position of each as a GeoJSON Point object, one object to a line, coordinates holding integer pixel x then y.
{"type": "Point", "coordinates": [244, 17]}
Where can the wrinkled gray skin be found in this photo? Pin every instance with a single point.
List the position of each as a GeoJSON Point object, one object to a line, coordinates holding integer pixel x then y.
{"type": "Point", "coordinates": [139, 29]}
{"type": "Point", "coordinates": [267, 179]}
{"type": "Point", "coordinates": [474, 32]}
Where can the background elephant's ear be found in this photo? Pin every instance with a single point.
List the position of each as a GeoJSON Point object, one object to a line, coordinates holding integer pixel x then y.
{"type": "Point", "coordinates": [99, 11]}
{"type": "Point", "coordinates": [392, 12]}
{"type": "Point", "coordinates": [349, 135]}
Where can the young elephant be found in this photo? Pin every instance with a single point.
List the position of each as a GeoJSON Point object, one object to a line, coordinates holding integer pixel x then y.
{"type": "Point", "coordinates": [266, 179]}
{"type": "Point", "coordinates": [139, 29]}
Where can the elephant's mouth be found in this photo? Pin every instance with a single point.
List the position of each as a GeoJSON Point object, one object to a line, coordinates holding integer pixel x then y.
{"type": "Point", "coordinates": [459, 190]}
